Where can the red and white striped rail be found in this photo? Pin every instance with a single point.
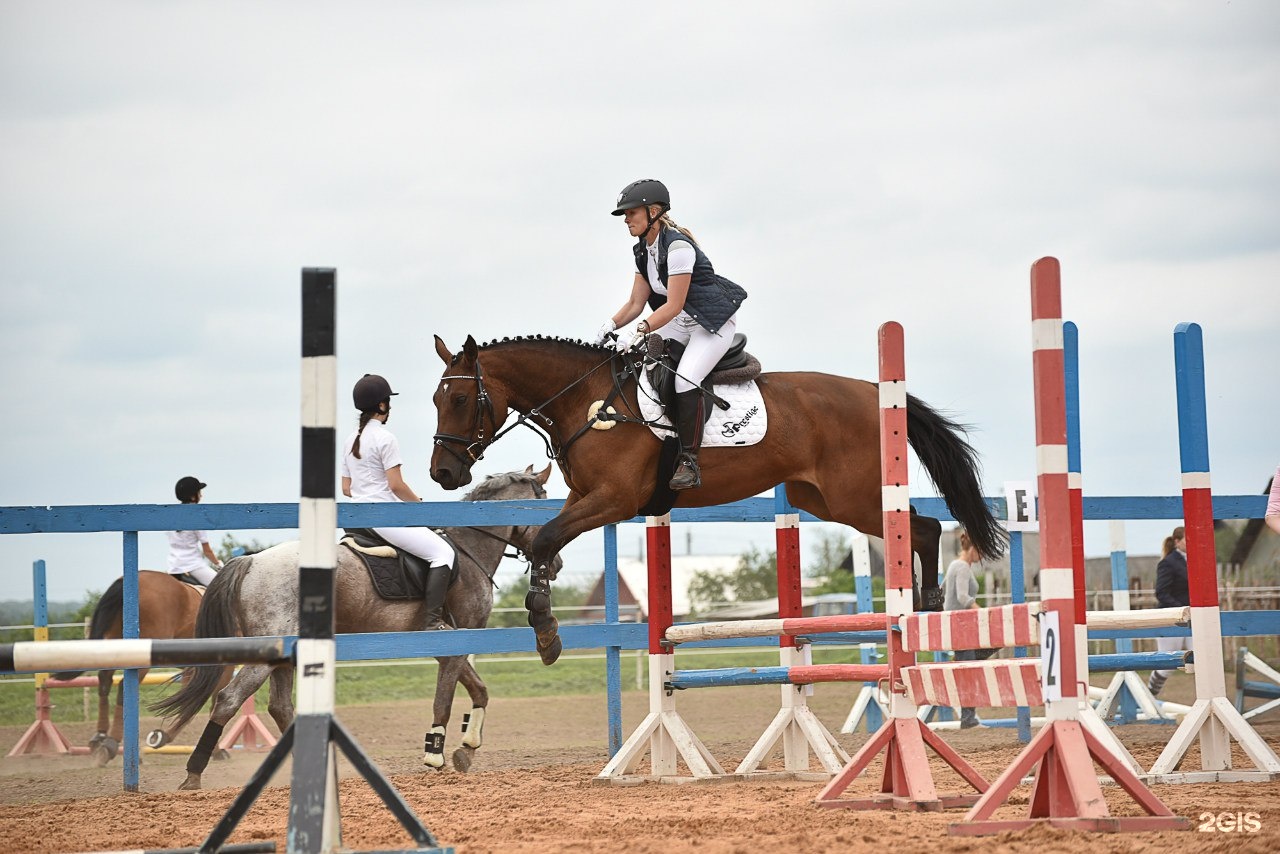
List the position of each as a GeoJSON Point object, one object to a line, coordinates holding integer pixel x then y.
{"type": "Point", "coordinates": [977, 684]}
{"type": "Point", "coordinates": [775, 628]}
{"type": "Point", "coordinates": [978, 628]}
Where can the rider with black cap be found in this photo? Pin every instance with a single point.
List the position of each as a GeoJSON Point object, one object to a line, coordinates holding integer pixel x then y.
{"type": "Point", "coordinates": [188, 550]}
{"type": "Point", "coordinates": [689, 303]}
{"type": "Point", "coordinates": [371, 472]}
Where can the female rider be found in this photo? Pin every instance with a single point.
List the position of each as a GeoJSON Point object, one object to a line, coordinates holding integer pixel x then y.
{"type": "Point", "coordinates": [689, 303]}
{"type": "Point", "coordinates": [371, 472]}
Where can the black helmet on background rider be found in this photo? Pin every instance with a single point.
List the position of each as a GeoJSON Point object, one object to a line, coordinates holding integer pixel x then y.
{"type": "Point", "coordinates": [187, 489]}
{"type": "Point", "coordinates": [641, 194]}
{"type": "Point", "coordinates": [371, 390]}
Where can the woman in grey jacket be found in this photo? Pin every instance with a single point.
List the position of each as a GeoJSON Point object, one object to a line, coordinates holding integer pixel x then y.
{"type": "Point", "coordinates": [689, 303]}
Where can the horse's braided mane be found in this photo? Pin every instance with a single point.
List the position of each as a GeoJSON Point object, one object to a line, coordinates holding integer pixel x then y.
{"type": "Point", "coordinates": [549, 339]}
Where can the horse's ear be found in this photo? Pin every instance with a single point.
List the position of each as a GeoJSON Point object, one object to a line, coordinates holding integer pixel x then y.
{"type": "Point", "coordinates": [443, 351]}
{"type": "Point", "coordinates": [544, 474]}
{"type": "Point", "coordinates": [469, 348]}
{"type": "Point", "coordinates": [528, 469]}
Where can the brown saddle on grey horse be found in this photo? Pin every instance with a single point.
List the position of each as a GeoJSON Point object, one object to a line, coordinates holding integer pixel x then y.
{"type": "Point", "coordinates": [394, 572]}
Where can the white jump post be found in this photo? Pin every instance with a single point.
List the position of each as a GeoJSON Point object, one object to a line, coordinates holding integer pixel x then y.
{"type": "Point", "coordinates": [1213, 718]}
{"type": "Point", "coordinates": [795, 725]}
{"type": "Point", "coordinates": [1066, 791]}
{"type": "Point", "coordinates": [1127, 694]}
{"type": "Point", "coordinates": [868, 705]}
{"type": "Point", "coordinates": [663, 734]}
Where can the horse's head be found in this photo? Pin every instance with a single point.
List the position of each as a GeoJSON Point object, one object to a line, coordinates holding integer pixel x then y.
{"type": "Point", "coordinates": [468, 414]}
{"type": "Point", "coordinates": [517, 486]}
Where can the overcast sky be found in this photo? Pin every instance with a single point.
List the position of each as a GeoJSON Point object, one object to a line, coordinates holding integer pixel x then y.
{"type": "Point", "coordinates": [168, 168]}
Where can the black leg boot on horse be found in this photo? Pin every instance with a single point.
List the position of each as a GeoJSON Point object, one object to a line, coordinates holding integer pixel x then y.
{"type": "Point", "coordinates": [437, 588]}
{"type": "Point", "coordinates": [689, 420]}
{"type": "Point", "coordinates": [546, 627]}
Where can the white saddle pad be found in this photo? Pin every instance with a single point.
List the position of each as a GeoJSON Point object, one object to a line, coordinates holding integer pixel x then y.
{"type": "Point", "coordinates": [743, 423]}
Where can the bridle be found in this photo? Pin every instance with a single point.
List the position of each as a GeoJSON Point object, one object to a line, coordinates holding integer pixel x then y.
{"type": "Point", "coordinates": [475, 445]}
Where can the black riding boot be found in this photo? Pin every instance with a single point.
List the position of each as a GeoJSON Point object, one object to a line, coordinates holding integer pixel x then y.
{"type": "Point", "coordinates": [689, 425]}
{"type": "Point", "coordinates": [437, 585]}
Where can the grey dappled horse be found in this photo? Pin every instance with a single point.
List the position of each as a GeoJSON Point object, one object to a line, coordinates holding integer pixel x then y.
{"type": "Point", "coordinates": [258, 596]}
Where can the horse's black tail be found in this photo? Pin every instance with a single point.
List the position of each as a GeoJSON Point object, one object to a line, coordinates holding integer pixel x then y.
{"type": "Point", "coordinates": [953, 466]}
{"type": "Point", "coordinates": [107, 611]}
{"type": "Point", "coordinates": [215, 619]}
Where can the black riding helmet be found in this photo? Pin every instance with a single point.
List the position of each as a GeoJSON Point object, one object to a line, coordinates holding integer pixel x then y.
{"type": "Point", "coordinates": [371, 390]}
{"type": "Point", "coordinates": [641, 194]}
{"type": "Point", "coordinates": [187, 488]}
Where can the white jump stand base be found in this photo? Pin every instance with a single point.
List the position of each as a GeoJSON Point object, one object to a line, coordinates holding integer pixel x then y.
{"type": "Point", "coordinates": [799, 730]}
{"type": "Point", "coordinates": [1130, 681]}
{"type": "Point", "coordinates": [867, 695]}
{"type": "Point", "coordinates": [1215, 721]}
{"type": "Point", "coordinates": [667, 739]}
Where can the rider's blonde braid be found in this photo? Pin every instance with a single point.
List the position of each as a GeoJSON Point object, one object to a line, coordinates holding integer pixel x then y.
{"type": "Point", "coordinates": [667, 222]}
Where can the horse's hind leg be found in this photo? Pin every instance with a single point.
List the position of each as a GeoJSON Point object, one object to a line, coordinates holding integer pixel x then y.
{"type": "Point", "coordinates": [280, 703]}
{"type": "Point", "coordinates": [225, 704]}
{"type": "Point", "coordinates": [103, 747]}
{"type": "Point", "coordinates": [926, 532]}
{"type": "Point", "coordinates": [161, 737]}
{"type": "Point", "coordinates": [473, 722]}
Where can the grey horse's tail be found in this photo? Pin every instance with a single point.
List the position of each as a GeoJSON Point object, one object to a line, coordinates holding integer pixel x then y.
{"type": "Point", "coordinates": [217, 618]}
{"type": "Point", "coordinates": [109, 608]}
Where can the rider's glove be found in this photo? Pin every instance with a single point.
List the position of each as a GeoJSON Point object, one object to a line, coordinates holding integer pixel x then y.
{"type": "Point", "coordinates": [602, 334]}
{"type": "Point", "coordinates": [632, 335]}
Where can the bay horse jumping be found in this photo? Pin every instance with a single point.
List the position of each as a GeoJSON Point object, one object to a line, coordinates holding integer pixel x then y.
{"type": "Point", "coordinates": [822, 442]}
{"type": "Point", "coordinates": [166, 609]}
{"type": "Point", "coordinates": [258, 596]}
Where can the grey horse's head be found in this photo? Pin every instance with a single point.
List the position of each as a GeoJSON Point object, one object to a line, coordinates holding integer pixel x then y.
{"type": "Point", "coordinates": [515, 486]}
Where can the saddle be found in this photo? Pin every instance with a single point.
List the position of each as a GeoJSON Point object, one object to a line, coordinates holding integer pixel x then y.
{"type": "Point", "coordinates": [736, 367]}
{"type": "Point", "coordinates": [190, 580]}
{"type": "Point", "coordinates": [394, 573]}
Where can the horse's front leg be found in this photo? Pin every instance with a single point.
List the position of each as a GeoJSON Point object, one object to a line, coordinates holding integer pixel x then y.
{"type": "Point", "coordinates": [442, 707]}
{"type": "Point", "coordinates": [579, 515]}
{"type": "Point", "coordinates": [473, 721]}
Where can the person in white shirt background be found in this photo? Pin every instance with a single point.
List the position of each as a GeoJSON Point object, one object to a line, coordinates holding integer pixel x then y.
{"type": "Point", "coordinates": [189, 550]}
{"type": "Point", "coordinates": [371, 471]}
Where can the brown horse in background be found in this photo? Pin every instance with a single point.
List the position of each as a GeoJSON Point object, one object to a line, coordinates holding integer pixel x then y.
{"type": "Point", "coordinates": [167, 608]}
{"type": "Point", "coordinates": [822, 442]}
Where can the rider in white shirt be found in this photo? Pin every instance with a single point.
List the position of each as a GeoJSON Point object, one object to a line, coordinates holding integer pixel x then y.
{"type": "Point", "coordinates": [188, 550]}
{"type": "Point", "coordinates": [371, 472]}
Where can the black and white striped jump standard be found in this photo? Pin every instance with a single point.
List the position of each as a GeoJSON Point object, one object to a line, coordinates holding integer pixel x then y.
{"type": "Point", "coordinates": [314, 818]}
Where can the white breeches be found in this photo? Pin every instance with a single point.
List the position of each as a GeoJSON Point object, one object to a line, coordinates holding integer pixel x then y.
{"type": "Point", "coordinates": [1171, 645]}
{"type": "Point", "coordinates": [203, 574]}
{"type": "Point", "coordinates": [702, 348]}
{"type": "Point", "coordinates": [423, 542]}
